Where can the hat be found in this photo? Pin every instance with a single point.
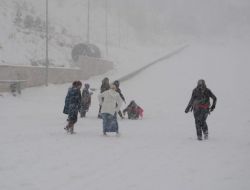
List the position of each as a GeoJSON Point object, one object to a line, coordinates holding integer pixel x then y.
{"type": "Point", "coordinates": [116, 83]}
{"type": "Point", "coordinates": [201, 83]}
{"type": "Point", "coordinates": [86, 85]}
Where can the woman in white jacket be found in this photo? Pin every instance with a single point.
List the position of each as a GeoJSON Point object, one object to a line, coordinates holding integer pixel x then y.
{"type": "Point", "coordinates": [110, 102]}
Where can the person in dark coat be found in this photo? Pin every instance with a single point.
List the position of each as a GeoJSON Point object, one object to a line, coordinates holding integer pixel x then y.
{"type": "Point", "coordinates": [86, 100]}
{"type": "Point", "coordinates": [117, 84]}
{"type": "Point", "coordinates": [133, 110]}
{"type": "Point", "coordinates": [200, 105]}
{"type": "Point", "coordinates": [66, 102]}
{"type": "Point", "coordinates": [72, 105]}
{"type": "Point", "coordinates": [105, 86]}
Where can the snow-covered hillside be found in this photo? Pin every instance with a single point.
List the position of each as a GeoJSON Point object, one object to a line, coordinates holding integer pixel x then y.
{"type": "Point", "coordinates": [158, 152]}
{"type": "Point", "coordinates": [22, 35]}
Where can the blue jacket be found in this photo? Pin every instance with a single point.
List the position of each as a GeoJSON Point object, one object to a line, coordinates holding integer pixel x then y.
{"type": "Point", "coordinates": [72, 101]}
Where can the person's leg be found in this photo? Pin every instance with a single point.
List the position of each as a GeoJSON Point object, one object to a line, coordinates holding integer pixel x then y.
{"type": "Point", "coordinates": [198, 123]}
{"type": "Point", "coordinates": [67, 127]}
{"type": "Point", "coordinates": [83, 113]}
{"type": "Point", "coordinates": [72, 121]}
{"type": "Point", "coordinates": [99, 113]}
{"type": "Point", "coordinates": [120, 114]}
{"type": "Point", "coordinates": [104, 122]}
{"type": "Point", "coordinates": [204, 123]}
{"type": "Point", "coordinates": [114, 124]}
{"type": "Point", "coordinates": [70, 127]}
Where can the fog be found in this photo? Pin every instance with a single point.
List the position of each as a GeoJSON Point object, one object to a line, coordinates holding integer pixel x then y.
{"type": "Point", "coordinates": [200, 18]}
{"type": "Point", "coordinates": [165, 18]}
{"type": "Point", "coordinates": [130, 22]}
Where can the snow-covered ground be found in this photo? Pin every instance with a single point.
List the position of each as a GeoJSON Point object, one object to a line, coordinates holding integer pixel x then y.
{"type": "Point", "coordinates": [158, 152]}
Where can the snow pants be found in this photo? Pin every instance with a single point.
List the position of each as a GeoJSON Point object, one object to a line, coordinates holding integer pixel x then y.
{"type": "Point", "coordinates": [200, 116]}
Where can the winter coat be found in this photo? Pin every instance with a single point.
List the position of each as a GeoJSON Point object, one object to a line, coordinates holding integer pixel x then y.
{"type": "Point", "coordinates": [72, 101]}
{"type": "Point", "coordinates": [110, 101]}
{"type": "Point", "coordinates": [200, 99]}
{"type": "Point", "coordinates": [86, 99]}
{"type": "Point", "coordinates": [66, 103]}
{"type": "Point", "coordinates": [134, 111]}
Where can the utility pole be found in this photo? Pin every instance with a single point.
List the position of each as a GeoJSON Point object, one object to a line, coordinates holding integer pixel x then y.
{"type": "Point", "coordinates": [106, 25]}
{"type": "Point", "coordinates": [88, 40]}
{"type": "Point", "coordinates": [119, 24]}
{"type": "Point", "coordinates": [47, 47]}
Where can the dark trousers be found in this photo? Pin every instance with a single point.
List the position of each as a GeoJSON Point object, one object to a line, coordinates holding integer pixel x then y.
{"type": "Point", "coordinates": [200, 116]}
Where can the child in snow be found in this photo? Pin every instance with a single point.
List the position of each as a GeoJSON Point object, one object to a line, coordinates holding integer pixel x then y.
{"type": "Point", "coordinates": [133, 110]}
{"type": "Point", "coordinates": [86, 100]}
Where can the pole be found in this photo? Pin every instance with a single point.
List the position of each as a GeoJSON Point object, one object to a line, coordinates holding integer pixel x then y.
{"type": "Point", "coordinates": [88, 21]}
{"type": "Point", "coordinates": [47, 47]}
{"type": "Point", "coordinates": [119, 24]}
{"type": "Point", "coordinates": [106, 25]}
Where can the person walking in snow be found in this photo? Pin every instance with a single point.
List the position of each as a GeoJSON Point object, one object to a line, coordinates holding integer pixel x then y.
{"type": "Point", "coordinates": [117, 84]}
{"type": "Point", "coordinates": [110, 102]}
{"type": "Point", "coordinates": [133, 110]}
{"type": "Point", "coordinates": [66, 102]}
{"type": "Point", "coordinates": [72, 105]}
{"type": "Point", "coordinates": [86, 100]}
{"type": "Point", "coordinates": [105, 86]}
{"type": "Point", "coordinates": [200, 105]}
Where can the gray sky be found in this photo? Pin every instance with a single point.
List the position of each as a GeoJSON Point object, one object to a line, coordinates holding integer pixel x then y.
{"type": "Point", "coordinates": [190, 17]}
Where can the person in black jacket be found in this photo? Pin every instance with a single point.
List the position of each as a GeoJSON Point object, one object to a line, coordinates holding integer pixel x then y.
{"type": "Point", "coordinates": [117, 84]}
{"type": "Point", "coordinates": [200, 105]}
{"type": "Point", "coordinates": [72, 105]}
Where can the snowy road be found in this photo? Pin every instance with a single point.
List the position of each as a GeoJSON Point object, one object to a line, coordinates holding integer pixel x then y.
{"type": "Point", "coordinates": [159, 152]}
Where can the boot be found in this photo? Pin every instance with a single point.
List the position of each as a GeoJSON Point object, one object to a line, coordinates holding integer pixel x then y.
{"type": "Point", "coordinates": [199, 138]}
{"type": "Point", "coordinates": [71, 128]}
{"type": "Point", "coordinates": [83, 113]}
{"type": "Point", "coordinates": [66, 128]}
{"type": "Point", "coordinates": [206, 136]}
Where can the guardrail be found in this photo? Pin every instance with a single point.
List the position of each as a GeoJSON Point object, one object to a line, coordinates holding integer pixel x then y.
{"type": "Point", "coordinates": [134, 73]}
{"type": "Point", "coordinates": [35, 75]}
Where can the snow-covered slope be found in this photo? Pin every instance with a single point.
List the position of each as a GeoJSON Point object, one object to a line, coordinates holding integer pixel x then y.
{"type": "Point", "coordinates": [158, 152]}
{"type": "Point", "coordinates": [22, 35]}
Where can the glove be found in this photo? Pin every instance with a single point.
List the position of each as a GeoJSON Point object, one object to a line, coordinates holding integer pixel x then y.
{"type": "Point", "coordinates": [187, 109]}
{"type": "Point", "coordinates": [212, 108]}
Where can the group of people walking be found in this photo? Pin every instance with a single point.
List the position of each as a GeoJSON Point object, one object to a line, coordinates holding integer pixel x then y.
{"type": "Point", "coordinates": [111, 99]}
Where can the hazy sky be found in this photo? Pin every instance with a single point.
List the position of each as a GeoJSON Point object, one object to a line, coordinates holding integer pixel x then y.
{"type": "Point", "coordinates": [194, 17]}
{"type": "Point", "coordinates": [151, 18]}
